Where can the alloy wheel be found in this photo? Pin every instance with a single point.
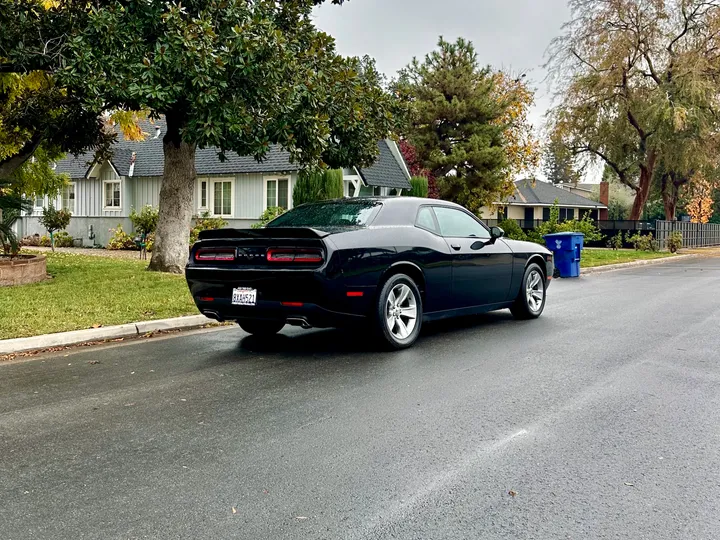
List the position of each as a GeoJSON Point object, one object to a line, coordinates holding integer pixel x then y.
{"type": "Point", "coordinates": [401, 312]}
{"type": "Point", "coordinates": [535, 291]}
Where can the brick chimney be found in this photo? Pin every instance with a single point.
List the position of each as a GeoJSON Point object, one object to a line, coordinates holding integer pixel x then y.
{"type": "Point", "coordinates": [604, 199]}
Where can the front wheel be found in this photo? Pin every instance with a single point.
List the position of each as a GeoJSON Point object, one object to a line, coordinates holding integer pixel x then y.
{"type": "Point", "coordinates": [261, 328]}
{"type": "Point", "coordinates": [530, 301]}
{"type": "Point", "coordinates": [399, 312]}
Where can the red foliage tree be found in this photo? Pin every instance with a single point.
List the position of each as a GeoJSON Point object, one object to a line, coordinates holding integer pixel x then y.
{"type": "Point", "coordinates": [416, 167]}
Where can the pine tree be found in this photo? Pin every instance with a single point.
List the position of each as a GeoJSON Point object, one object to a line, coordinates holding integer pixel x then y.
{"type": "Point", "coordinates": [456, 123]}
{"type": "Point", "coordinates": [558, 164]}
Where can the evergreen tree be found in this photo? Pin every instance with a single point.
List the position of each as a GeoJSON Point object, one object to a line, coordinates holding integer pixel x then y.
{"type": "Point", "coordinates": [558, 164]}
{"type": "Point", "coordinates": [455, 123]}
{"type": "Point", "coordinates": [318, 186]}
{"type": "Point", "coordinates": [468, 124]}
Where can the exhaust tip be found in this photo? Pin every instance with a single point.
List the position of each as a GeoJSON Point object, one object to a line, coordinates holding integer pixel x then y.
{"type": "Point", "coordinates": [299, 321]}
{"type": "Point", "coordinates": [213, 315]}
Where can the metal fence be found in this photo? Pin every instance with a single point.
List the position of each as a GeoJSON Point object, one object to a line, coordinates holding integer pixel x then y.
{"type": "Point", "coordinates": [604, 225]}
{"type": "Point", "coordinates": [693, 234]}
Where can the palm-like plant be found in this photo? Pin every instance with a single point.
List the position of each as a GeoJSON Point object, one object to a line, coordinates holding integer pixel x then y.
{"type": "Point", "coordinates": [11, 205]}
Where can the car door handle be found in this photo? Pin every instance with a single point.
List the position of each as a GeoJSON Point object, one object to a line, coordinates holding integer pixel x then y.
{"type": "Point", "coordinates": [456, 247]}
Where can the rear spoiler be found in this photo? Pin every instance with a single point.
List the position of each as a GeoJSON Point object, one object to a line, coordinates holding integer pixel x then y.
{"type": "Point", "coordinates": [271, 232]}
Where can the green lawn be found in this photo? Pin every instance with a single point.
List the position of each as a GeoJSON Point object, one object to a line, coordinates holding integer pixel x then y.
{"type": "Point", "coordinates": [87, 291]}
{"type": "Point", "coordinates": [600, 257]}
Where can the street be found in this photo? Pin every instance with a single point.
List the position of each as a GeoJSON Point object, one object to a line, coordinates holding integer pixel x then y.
{"type": "Point", "coordinates": [599, 420]}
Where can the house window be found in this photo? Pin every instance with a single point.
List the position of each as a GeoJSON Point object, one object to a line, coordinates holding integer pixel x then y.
{"type": "Point", "coordinates": [566, 214]}
{"type": "Point", "coordinates": [277, 192]}
{"type": "Point", "coordinates": [67, 198]}
{"type": "Point", "coordinates": [377, 191]}
{"type": "Point", "coordinates": [222, 198]}
{"type": "Point", "coordinates": [112, 195]}
{"type": "Point", "coordinates": [546, 214]}
{"type": "Point", "coordinates": [203, 194]}
{"type": "Point", "coordinates": [501, 214]}
{"type": "Point", "coordinates": [39, 201]}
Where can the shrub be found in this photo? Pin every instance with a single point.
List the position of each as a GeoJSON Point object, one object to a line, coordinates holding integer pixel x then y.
{"type": "Point", "coordinates": [584, 225]}
{"type": "Point", "coordinates": [513, 231]}
{"type": "Point", "coordinates": [267, 216]}
{"type": "Point", "coordinates": [419, 186]}
{"type": "Point", "coordinates": [318, 186]}
{"type": "Point", "coordinates": [674, 241]}
{"type": "Point", "coordinates": [33, 240]}
{"type": "Point", "coordinates": [150, 242]}
{"type": "Point", "coordinates": [45, 241]}
{"type": "Point", "coordinates": [643, 242]}
{"type": "Point", "coordinates": [121, 240]}
{"type": "Point", "coordinates": [63, 239]}
{"type": "Point", "coordinates": [146, 221]}
{"type": "Point", "coordinates": [616, 242]}
{"type": "Point", "coordinates": [54, 220]}
{"type": "Point", "coordinates": [204, 222]}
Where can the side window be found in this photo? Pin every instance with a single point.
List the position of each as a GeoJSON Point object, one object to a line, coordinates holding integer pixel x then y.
{"type": "Point", "coordinates": [457, 224]}
{"type": "Point", "coordinates": [426, 220]}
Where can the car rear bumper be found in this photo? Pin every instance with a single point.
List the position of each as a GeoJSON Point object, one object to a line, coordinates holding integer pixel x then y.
{"type": "Point", "coordinates": [304, 298]}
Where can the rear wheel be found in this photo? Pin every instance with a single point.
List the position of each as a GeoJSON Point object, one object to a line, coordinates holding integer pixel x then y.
{"type": "Point", "coordinates": [261, 328]}
{"type": "Point", "coordinates": [530, 301]}
{"type": "Point", "coordinates": [398, 316]}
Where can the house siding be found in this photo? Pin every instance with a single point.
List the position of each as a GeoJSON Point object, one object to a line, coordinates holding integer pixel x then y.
{"type": "Point", "coordinates": [249, 196]}
{"type": "Point", "coordinates": [146, 191]}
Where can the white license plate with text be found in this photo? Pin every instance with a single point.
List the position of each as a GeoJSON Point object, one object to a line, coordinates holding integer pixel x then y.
{"type": "Point", "coordinates": [244, 296]}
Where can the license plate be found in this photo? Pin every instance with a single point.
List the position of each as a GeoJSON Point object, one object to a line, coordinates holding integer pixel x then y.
{"type": "Point", "coordinates": [244, 296]}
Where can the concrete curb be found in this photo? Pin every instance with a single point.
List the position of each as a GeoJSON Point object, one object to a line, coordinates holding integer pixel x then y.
{"type": "Point", "coordinates": [634, 264]}
{"type": "Point", "coordinates": [63, 339]}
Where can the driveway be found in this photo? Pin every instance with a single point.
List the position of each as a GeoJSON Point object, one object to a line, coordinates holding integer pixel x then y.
{"type": "Point", "coordinates": [599, 420]}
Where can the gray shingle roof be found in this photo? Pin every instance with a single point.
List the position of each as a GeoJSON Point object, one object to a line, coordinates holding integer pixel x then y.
{"type": "Point", "coordinates": [75, 167]}
{"type": "Point", "coordinates": [386, 171]}
{"type": "Point", "coordinates": [149, 161]}
{"type": "Point", "coordinates": [544, 193]}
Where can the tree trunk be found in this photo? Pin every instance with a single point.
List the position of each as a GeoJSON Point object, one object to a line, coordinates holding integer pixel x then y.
{"type": "Point", "coordinates": [643, 191]}
{"type": "Point", "coordinates": [670, 200]}
{"type": "Point", "coordinates": [172, 238]}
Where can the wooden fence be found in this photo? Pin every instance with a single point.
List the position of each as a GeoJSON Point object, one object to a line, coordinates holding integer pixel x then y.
{"type": "Point", "coordinates": [693, 234]}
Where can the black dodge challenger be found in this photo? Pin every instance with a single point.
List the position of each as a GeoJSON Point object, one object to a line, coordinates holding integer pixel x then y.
{"type": "Point", "coordinates": [393, 263]}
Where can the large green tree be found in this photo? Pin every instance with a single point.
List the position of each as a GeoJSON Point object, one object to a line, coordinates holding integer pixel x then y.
{"type": "Point", "coordinates": [638, 86]}
{"type": "Point", "coordinates": [558, 163]}
{"type": "Point", "coordinates": [238, 75]}
{"type": "Point", "coordinates": [460, 121]}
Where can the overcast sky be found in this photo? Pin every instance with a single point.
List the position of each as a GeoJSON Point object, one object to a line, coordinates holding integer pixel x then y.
{"type": "Point", "coordinates": [511, 34]}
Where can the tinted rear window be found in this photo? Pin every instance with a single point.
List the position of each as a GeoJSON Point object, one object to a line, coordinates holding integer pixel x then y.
{"type": "Point", "coordinates": [318, 215]}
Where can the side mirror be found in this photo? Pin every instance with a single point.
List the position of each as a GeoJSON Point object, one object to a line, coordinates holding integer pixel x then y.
{"type": "Point", "coordinates": [496, 232]}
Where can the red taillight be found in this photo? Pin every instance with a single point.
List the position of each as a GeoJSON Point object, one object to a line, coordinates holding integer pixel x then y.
{"type": "Point", "coordinates": [206, 299]}
{"type": "Point", "coordinates": [279, 255]}
{"type": "Point", "coordinates": [203, 255]}
{"type": "Point", "coordinates": [355, 294]}
{"type": "Point", "coordinates": [292, 304]}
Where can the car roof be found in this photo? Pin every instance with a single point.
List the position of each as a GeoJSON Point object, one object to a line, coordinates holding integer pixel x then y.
{"type": "Point", "coordinates": [396, 211]}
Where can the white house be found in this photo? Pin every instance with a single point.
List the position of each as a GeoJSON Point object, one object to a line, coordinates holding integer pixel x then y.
{"type": "Point", "coordinates": [101, 195]}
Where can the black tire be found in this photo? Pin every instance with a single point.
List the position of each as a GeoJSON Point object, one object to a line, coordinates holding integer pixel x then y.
{"type": "Point", "coordinates": [261, 328]}
{"type": "Point", "coordinates": [524, 308]}
{"type": "Point", "coordinates": [399, 315]}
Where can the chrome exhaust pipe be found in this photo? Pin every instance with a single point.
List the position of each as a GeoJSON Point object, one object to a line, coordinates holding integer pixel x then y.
{"type": "Point", "coordinates": [299, 321]}
{"type": "Point", "coordinates": [213, 315]}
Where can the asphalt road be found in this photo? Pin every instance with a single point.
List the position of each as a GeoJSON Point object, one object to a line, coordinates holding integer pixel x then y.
{"type": "Point", "coordinates": [600, 420]}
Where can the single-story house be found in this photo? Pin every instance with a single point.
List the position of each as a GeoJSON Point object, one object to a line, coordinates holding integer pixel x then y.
{"type": "Point", "coordinates": [532, 201]}
{"type": "Point", "coordinates": [101, 195]}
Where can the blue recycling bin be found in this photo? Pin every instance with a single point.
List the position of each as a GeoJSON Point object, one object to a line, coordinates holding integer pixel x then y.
{"type": "Point", "coordinates": [567, 248]}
